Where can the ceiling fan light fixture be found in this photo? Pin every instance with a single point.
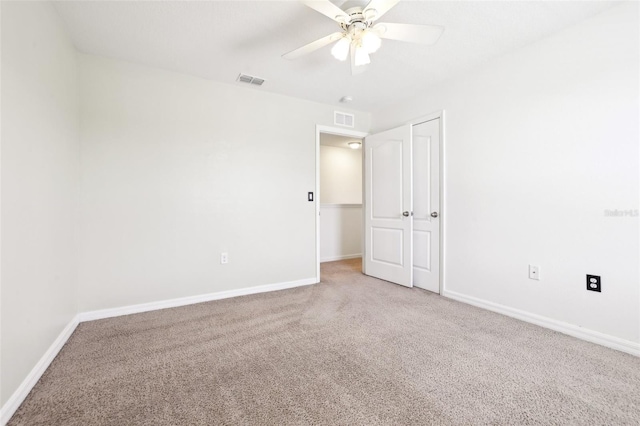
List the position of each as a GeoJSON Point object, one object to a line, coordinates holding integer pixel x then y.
{"type": "Point", "coordinates": [340, 50]}
{"type": "Point", "coordinates": [370, 41]}
{"type": "Point", "coordinates": [361, 57]}
{"type": "Point", "coordinates": [360, 34]}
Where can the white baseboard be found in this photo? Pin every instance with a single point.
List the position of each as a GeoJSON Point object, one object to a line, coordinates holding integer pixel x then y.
{"type": "Point", "coordinates": [190, 300]}
{"type": "Point", "coordinates": [342, 257]}
{"type": "Point", "coordinates": [612, 342]}
{"type": "Point", "coordinates": [13, 403]}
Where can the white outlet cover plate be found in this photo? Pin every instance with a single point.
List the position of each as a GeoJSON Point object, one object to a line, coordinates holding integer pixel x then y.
{"type": "Point", "coordinates": [534, 272]}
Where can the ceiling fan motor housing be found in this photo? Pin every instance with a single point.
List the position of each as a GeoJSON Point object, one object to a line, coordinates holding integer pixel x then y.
{"type": "Point", "coordinates": [357, 21]}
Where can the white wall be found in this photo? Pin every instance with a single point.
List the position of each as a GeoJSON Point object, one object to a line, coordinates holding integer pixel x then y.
{"type": "Point", "coordinates": [340, 175]}
{"type": "Point", "coordinates": [40, 175]}
{"type": "Point", "coordinates": [538, 145]}
{"type": "Point", "coordinates": [340, 231]}
{"type": "Point", "coordinates": [176, 170]}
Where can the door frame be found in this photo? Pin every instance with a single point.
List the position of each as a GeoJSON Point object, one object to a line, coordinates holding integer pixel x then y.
{"type": "Point", "coordinates": [441, 163]}
{"type": "Point", "coordinates": [339, 131]}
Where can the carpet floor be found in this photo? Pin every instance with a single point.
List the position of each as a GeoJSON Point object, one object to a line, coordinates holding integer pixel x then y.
{"type": "Point", "coordinates": [351, 350]}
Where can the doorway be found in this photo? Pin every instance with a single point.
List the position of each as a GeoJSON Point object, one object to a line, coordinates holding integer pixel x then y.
{"type": "Point", "coordinates": [339, 195]}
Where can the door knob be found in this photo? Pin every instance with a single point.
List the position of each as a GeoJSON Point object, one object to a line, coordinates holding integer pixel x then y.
{"type": "Point", "coordinates": [405, 214]}
{"type": "Point", "coordinates": [434, 214]}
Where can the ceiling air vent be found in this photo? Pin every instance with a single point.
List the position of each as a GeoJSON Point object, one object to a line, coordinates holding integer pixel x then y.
{"type": "Point", "coordinates": [250, 79]}
{"type": "Point", "coordinates": [343, 119]}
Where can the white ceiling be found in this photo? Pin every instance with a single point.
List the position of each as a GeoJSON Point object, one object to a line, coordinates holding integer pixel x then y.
{"type": "Point", "coordinates": [327, 139]}
{"type": "Point", "coordinates": [218, 40]}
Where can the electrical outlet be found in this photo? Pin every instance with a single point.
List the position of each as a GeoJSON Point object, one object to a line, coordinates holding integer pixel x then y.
{"type": "Point", "coordinates": [224, 258]}
{"type": "Point", "coordinates": [534, 272]}
{"type": "Point", "coordinates": [594, 283]}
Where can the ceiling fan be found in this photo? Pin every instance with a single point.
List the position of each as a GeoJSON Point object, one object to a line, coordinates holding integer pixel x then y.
{"type": "Point", "coordinates": [360, 35]}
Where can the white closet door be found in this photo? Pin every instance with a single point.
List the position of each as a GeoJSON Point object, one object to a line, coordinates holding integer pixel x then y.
{"type": "Point", "coordinates": [426, 205]}
{"type": "Point", "coordinates": [388, 198]}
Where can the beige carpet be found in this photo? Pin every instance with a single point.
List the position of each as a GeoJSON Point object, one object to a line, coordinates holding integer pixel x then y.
{"type": "Point", "coordinates": [351, 350]}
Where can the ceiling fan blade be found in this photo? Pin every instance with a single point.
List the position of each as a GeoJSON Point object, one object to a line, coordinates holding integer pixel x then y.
{"type": "Point", "coordinates": [423, 34]}
{"type": "Point", "coordinates": [328, 9]}
{"type": "Point", "coordinates": [380, 6]}
{"type": "Point", "coordinates": [355, 70]}
{"type": "Point", "coordinates": [314, 45]}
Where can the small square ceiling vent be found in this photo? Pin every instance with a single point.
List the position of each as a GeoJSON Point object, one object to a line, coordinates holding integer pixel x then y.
{"type": "Point", "coordinates": [244, 78]}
